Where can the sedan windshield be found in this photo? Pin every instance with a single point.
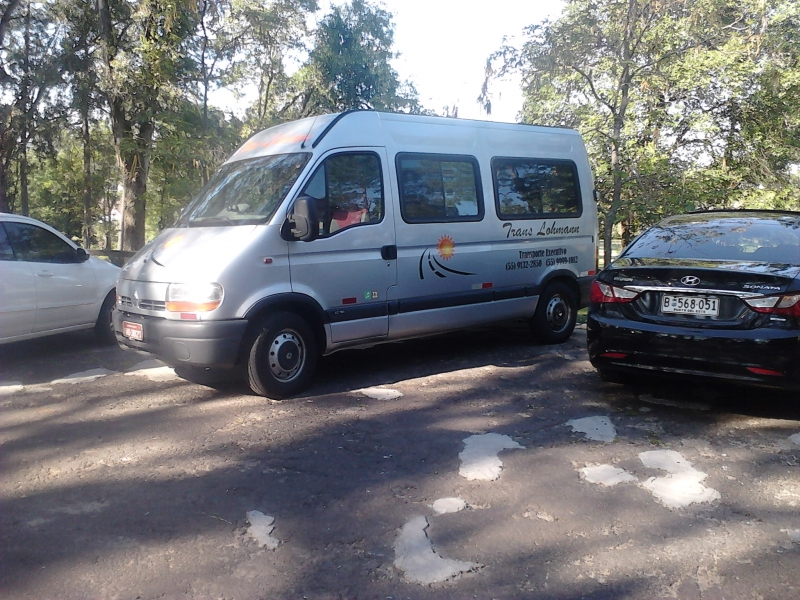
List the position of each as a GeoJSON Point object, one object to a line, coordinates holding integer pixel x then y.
{"type": "Point", "coordinates": [751, 239]}
{"type": "Point", "coordinates": [246, 192]}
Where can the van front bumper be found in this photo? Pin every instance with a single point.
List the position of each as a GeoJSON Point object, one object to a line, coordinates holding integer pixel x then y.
{"type": "Point", "coordinates": [184, 343]}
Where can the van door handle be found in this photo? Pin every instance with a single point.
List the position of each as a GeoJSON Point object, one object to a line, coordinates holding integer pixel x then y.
{"type": "Point", "coordinates": [389, 252]}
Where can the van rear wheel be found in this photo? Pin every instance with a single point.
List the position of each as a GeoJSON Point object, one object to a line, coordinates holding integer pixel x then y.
{"type": "Point", "coordinates": [282, 357]}
{"type": "Point", "coordinates": [556, 311]}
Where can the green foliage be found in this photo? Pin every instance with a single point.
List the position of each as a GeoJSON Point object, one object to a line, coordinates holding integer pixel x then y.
{"type": "Point", "coordinates": [189, 143]}
{"type": "Point", "coordinates": [349, 66]}
{"type": "Point", "coordinates": [57, 186]}
{"type": "Point", "coordinates": [682, 105]}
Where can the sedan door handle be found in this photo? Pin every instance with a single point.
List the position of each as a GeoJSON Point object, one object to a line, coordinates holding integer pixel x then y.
{"type": "Point", "coordinates": [389, 252]}
{"type": "Point", "coordinates": [44, 274]}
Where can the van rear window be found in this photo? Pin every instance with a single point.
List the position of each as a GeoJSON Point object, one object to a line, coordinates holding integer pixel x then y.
{"type": "Point", "coordinates": [527, 188]}
{"type": "Point", "coordinates": [437, 188]}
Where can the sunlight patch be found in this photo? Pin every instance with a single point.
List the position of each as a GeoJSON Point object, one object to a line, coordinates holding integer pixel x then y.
{"type": "Point", "coordinates": [261, 527]}
{"type": "Point", "coordinates": [84, 376]}
{"type": "Point", "coordinates": [448, 505]}
{"type": "Point", "coordinates": [683, 486]}
{"type": "Point", "coordinates": [415, 556]}
{"type": "Point", "coordinates": [154, 370]}
{"type": "Point", "coordinates": [479, 457]}
{"type": "Point", "coordinates": [599, 429]}
{"type": "Point", "coordinates": [10, 387]}
{"type": "Point", "coordinates": [607, 475]}
{"type": "Point", "coordinates": [794, 534]}
{"type": "Point", "coordinates": [381, 393]}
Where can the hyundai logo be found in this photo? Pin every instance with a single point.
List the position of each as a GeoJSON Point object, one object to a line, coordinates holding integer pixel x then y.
{"type": "Point", "coordinates": [690, 280]}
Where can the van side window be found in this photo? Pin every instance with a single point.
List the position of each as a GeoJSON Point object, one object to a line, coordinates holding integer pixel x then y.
{"type": "Point", "coordinates": [348, 189]}
{"type": "Point", "coordinates": [438, 188]}
{"type": "Point", "coordinates": [528, 188]}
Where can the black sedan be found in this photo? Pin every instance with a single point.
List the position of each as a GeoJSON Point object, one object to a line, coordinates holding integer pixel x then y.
{"type": "Point", "coordinates": [712, 295]}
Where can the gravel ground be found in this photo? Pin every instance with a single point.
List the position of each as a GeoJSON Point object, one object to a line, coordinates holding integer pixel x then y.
{"type": "Point", "coordinates": [471, 465]}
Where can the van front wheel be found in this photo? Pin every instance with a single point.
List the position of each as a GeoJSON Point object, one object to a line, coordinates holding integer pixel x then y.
{"type": "Point", "coordinates": [556, 311]}
{"type": "Point", "coordinates": [283, 356]}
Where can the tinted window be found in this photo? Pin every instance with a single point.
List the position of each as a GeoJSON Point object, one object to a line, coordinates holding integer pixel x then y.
{"type": "Point", "coordinates": [6, 253]}
{"type": "Point", "coordinates": [349, 191]}
{"type": "Point", "coordinates": [439, 189]}
{"type": "Point", "coordinates": [32, 243]}
{"type": "Point", "coordinates": [245, 192]}
{"type": "Point", "coordinates": [722, 239]}
{"type": "Point", "coordinates": [532, 189]}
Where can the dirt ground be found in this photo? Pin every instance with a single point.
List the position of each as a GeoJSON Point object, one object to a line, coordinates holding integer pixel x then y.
{"type": "Point", "coordinates": [134, 484]}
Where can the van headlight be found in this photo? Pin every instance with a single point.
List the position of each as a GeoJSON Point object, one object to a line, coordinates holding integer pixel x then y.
{"type": "Point", "coordinates": [193, 297]}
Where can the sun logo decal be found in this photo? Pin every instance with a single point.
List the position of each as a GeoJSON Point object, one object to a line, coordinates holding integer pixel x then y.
{"type": "Point", "coordinates": [446, 248]}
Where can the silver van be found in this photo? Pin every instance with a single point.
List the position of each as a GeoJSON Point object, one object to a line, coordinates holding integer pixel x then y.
{"type": "Point", "coordinates": [363, 227]}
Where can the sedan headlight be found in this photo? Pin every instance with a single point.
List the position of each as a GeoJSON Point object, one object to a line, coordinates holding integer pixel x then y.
{"type": "Point", "coordinates": [193, 297]}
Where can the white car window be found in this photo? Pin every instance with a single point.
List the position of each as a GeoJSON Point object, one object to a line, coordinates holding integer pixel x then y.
{"type": "Point", "coordinates": [34, 244]}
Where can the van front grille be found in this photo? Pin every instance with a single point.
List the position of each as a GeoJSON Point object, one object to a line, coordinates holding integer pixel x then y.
{"type": "Point", "coordinates": [154, 305]}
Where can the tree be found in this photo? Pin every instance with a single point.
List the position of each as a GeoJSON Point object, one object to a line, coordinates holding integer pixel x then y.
{"type": "Point", "coordinates": [143, 47]}
{"type": "Point", "coordinates": [660, 90]}
{"type": "Point", "coordinates": [29, 73]}
{"type": "Point", "coordinates": [189, 144]}
{"type": "Point", "coordinates": [269, 33]}
{"type": "Point", "coordinates": [349, 65]}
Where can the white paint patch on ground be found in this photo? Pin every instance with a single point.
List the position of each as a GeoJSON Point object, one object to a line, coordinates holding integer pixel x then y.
{"type": "Point", "coordinates": [154, 370]}
{"type": "Point", "coordinates": [607, 475]}
{"type": "Point", "coordinates": [414, 555]}
{"type": "Point", "coordinates": [650, 399]}
{"type": "Point", "coordinates": [599, 429]}
{"type": "Point", "coordinates": [448, 505]}
{"type": "Point", "coordinates": [683, 486]}
{"type": "Point", "coordinates": [381, 393]}
{"type": "Point", "coordinates": [795, 439]}
{"type": "Point", "coordinates": [10, 387]}
{"type": "Point", "coordinates": [37, 389]}
{"type": "Point", "coordinates": [479, 457]}
{"type": "Point", "coordinates": [261, 527]}
{"type": "Point", "coordinates": [794, 534]}
{"type": "Point", "coordinates": [84, 376]}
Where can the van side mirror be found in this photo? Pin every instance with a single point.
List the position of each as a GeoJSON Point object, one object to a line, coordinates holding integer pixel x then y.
{"type": "Point", "coordinates": [302, 222]}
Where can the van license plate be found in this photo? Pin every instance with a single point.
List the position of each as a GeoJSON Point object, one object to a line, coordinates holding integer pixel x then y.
{"type": "Point", "coordinates": [132, 331]}
{"type": "Point", "coordinates": [690, 305]}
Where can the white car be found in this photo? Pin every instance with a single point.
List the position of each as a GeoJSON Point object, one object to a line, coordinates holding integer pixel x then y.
{"type": "Point", "coordinates": [50, 285]}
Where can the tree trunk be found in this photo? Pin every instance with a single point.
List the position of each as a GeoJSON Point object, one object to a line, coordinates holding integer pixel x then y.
{"type": "Point", "coordinates": [136, 168]}
{"type": "Point", "coordinates": [87, 177]}
{"type": "Point", "coordinates": [133, 143]}
{"type": "Point", "coordinates": [24, 199]}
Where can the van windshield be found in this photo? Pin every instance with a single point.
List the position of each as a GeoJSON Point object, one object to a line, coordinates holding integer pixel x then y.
{"type": "Point", "coordinates": [246, 192]}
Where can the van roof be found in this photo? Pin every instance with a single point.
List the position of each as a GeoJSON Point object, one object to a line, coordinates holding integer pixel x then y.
{"type": "Point", "coordinates": [306, 134]}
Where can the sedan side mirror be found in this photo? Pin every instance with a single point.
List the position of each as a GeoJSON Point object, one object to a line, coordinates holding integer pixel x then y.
{"type": "Point", "coordinates": [81, 255]}
{"type": "Point", "coordinates": [302, 223]}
